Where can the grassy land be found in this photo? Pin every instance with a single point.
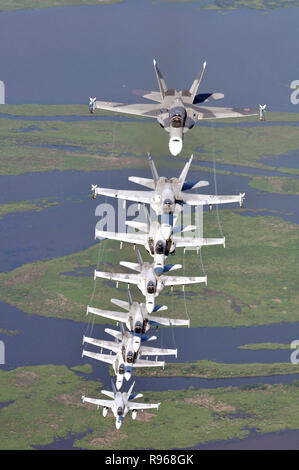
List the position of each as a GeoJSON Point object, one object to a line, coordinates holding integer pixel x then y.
{"type": "Point", "coordinates": [86, 368]}
{"type": "Point", "coordinates": [271, 346]}
{"type": "Point", "coordinates": [253, 281]}
{"type": "Point", "coordinates": [275, 184]}
{"type": "Point", "coordinates": [216, 370]}
{"type": "Point", "coordinates": [109, 144]}
{"type": "Point", "coordinates": [29, 4]}
{"type": "Point", "coordinates": [4, 331]}
{"type": "Point", "coordinates": [45, 405]}
{"type": "Point", "coordinates": [22, 206]}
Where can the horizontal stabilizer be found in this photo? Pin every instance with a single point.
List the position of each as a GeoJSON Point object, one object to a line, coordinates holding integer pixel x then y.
{"type": "Point", "coordinates": [159, 308]}
{"type": "Point", "coordinates": [137, 225]}
{"type": "Point", "coordinates": [194, 184]}
{"type": "Point", "coordinates": [147, 182]}
{"type": "Point", "coordinates": [118, 277]}
{"type": "Point", "coordinates": [99, 357]}
{"type": "Point", "coordinates": [171, 267]}
{"type": "Point", "coordinates": [121, 303]}
{"type": "Point", "coordinates": [206, 97]}
{"type": "Point", "coordinates": [168, 321]}
{"type": "Point", "coordinates": [101, 343]}
{"type": "Point", "coordinates": [133, 266]}
{"type": "Point", "coordinates": [149, 95]}
{"type": "Point", "coordinates": [108, 393]}
{"type": "Point", "coordinates": [136, 238]}
{"type": "Point", "coordinates": [135, 196]}
{"type": "Point", "coordinates": [112, 315]}
{"type": "Point", "coordinates": [116, 334]}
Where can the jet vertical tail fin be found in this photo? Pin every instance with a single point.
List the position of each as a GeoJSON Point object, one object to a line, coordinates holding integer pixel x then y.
{"type": "Point", "coordinates": [185, 170]}
{"type": "Point", "coordinates": [140, 260]}
{"type": "Point", "coordinates": [130, 301]}
{"type": "Point", "coordinates": [161, 81]}
{"type": "Point", "coordinates": [153, 168]}
{"type": "Point", "coordinates": [194, 87]}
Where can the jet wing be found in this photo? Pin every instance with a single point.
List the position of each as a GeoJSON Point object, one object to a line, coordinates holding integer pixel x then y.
{"type": "Point", "coordinates": [95, 401]}
{"type": "Point", "coordinates": [121, 277]}
{"type": "Point", "coordinates": [137, 238]}
{"type": "Point", "coordinates": [146, 363]}
{"type": "Point", "coordinates": [206, 199]}
{"type": "Point", "coordinates": [142, 406]}
{"type": "Point", "coordinates": [146, 110]}
{"type": "Point", "coordinates": [146, 350]}
{"type": "Point", "coordinates": [112, 315]}
{"type": "Point", "coordinates": [167, 321]}
{"type": "Point", "coordinates": [212, 112]}
{"type": "Point", "coordinates": [182, 280]}
{"type": "Point", "coordinates": [189, 242]}
{"type": "Point", "coordinates": [145, 197]}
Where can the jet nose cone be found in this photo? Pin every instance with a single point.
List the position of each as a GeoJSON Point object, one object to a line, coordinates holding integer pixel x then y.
{"type": "Point", "coordinates": [128, 375]}
{"type": "Point", "coordinates": [119, 383]}
{"type": "Point", "coordinates": [136, 343]}
{"type": "Point", "coordinates": [117, 424]}
{"type": "Point", "coordinates": [158, 270]}
{"type": "Point", "coordinates": [175, 145]}
{"type": "Point", "coordinates": [150, 306]}
{"type": "Point", "coordinates": [166, 231]}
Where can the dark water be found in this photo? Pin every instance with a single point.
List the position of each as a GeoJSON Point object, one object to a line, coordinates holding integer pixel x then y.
{"type": "Point", "coordinates": [56, 341]}
{"type": "Point", "coordinates": [289, 160]}
{"type": "Point", "coordinates": [254, 171]}
{"type": "Point", "coordinates": [66, 54]}
{"type": "Point", "coordinates": [280, 440]}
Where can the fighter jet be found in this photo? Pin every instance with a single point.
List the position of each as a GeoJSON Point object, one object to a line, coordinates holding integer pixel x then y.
{"type": "Point", "coordinates": [137, 318]}
{"type": "Point", "coordinates": [167, 196]}
{"type": "Point", "coordinates": [177, 111]}
{"type": "Point", "coordinates": [128, 349]}
{"type": "Point", "coordinates": [158, 240]}
{"type": "Point", "coordinates": [121, 404]}
{"type": "Point", "coordinates": [147, 279]}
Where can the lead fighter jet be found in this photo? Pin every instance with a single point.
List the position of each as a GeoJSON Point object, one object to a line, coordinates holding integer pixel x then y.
{"type": "Point", "coordinates": [177, 111]}
{"type": "Point", "coordinates": [121, 404]}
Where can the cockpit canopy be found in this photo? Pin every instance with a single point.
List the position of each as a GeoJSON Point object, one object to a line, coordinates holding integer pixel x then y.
{"type": "Point", "coordinates": [177, 117]}
{"type": "Point", "coordinates": [121, 369]}
{"type": "Point", "coordinates": [138, 327]}
{"type": "Point", "coordinates": [120, 411]}
{"type": "Point", "coordinates": [160, 247]}
{"type": "Point", "coordinates": [130, 357]}
{"type": "Point", "coordinates": [151, 287]}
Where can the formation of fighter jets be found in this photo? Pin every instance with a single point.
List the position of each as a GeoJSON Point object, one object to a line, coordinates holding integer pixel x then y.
{"type": "Point", "coordinates": [160, 238]}
{"type": "Point", "coordinates": [175, 111]}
